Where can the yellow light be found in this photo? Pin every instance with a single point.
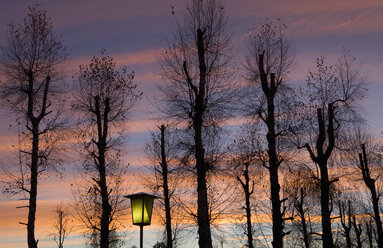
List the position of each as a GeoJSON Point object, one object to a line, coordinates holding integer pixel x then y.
{"type": "Point", "coordinates": [142, 206]}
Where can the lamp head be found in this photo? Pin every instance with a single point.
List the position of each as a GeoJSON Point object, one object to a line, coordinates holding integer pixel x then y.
{"type": "Point", "coordinates": [142, 206]}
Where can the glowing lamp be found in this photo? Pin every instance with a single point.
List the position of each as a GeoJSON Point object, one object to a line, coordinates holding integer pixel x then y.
{"type": "Point", "coordinates": [142, 206]}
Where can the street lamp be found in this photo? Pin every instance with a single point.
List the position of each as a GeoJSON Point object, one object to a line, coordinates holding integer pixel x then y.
{"type": "Point", "coordinates": [142, 206]}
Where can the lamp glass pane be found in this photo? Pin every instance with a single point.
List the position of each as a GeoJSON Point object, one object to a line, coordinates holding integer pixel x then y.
{"type": "Point", "coordinates": [148, 210]}
{"type": "Point", "coordinates": [137, 210]}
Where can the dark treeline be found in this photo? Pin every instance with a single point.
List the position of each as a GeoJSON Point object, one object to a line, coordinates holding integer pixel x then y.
{"type": "Point", "coordinates": [298, 168]}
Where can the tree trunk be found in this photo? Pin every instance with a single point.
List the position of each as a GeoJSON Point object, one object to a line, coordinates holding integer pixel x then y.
{"type": "Point", "coordinates": [164, 165]}
{"type": "Point", "coordinates": [32, 243]}
{"type": "Point", "coordinates": [106, 208]}
{"type": "Point", "coordinates": [274, 162]}
{"type": "Point", "coordinates": [35, 121]}
{"type": "Point", "coordinates": [61, 231]}
{"type": "Point", "coordinates": [203, 208]}
{"type": "Point", "coordinates": [301, 213]}
{"type": "Point", "coordinates": [203, 211]}
{"type": "Point", "coordinates": [276, 209]}
{"type": "Point", "coordinates": [325, 209]}
{"type": "Point", "coordinates": [102, 131]}
{"type": "Point", "coordinates": [248, 210]}
{"type": "Point", "coordinates": [203, 216]}
{"type": "Point", "coordinates": [375, 203]}
{"type": "Point", "coordinates": [248, 193]}
{"type": "Point", "coordinates": [249, 223]}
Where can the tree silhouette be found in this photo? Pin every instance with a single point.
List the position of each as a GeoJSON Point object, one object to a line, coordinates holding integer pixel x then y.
{"type": "Point", "coordinates": [33, 62]}
{"type": "Point", "coordinates": [246, 153]}
{"type": "Point", "coordinates": [334, 94]}
{"type": "Point", "coordinates": [370, 183]}
{"type": "Point", "coordinates": [62, 226]}
{"type": "Point", "coordinates": [270, 58]}
{"type": "Point", "coordinates": [103, 99]}
{"type": "Point", "coordinates": [198, 92]}
{"type": "Point", "coordinates": [164, 153]}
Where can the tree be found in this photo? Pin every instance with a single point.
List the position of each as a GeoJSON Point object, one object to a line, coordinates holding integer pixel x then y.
{"type": "Point", "coordinates": [160, 245]}
{"type": "Point", "coordinates": [62, 226]}
{"type": "Point", "coordinates": [164, 172]}
{"type": "Point", "coordinates": [33, 63]}
{"type": "Point", "coordinates": [346, 219]}
{"type": "Point", "coordinates": [246, 152]}
{"type": "Point", "coordinates": [334, 94]}
{"type": "Point", "coordinates": [370, 182]}
{"type": "Point", "coordinates": [163, 152]}
{"type": "Point", "coordinates": [303, 196]}
{"type": "Point", "coordinates": [268, 60]}
{"type": "Point", "coordinates": [350, 210]}
{"type": "Point", "coordinates": [199, 92]}
{"type": "Point", "coordinates": [88, 210]}
{"type": "Point", "coordinates": [104, 97]}
{"type": "Point", "coordinates": [370, 232]}
{"type": "Point", "coordinates": [358, 229]}
{"type": "Point", "coordinates": [248, 189]}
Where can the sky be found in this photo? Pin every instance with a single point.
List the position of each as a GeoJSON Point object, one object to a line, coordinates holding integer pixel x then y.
{"type": "Point", "coordinates": [134, 32]}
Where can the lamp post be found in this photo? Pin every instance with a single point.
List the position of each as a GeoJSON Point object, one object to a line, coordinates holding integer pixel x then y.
{"type": "Point", "coordinates": [142, 206]}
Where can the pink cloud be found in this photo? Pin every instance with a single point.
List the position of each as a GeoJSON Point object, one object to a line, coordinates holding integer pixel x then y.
{"type": "Point", "coordinates": [129, 59]}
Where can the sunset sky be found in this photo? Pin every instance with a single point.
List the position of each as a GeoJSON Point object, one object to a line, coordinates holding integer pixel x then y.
{"type": "Point", "coordinates": [135, 31]}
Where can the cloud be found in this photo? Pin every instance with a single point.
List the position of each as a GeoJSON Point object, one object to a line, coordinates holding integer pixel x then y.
{"type": "Point", "coordinates": [339, 22]}
{"type": "Point", "coordinates": [130, 59]}
{"type": "Point", "coordinates": [73, 12]}
{"type": "Point", "coordinates": [312, 18]}
{"type": "Point", "coordinates": [280, 8]}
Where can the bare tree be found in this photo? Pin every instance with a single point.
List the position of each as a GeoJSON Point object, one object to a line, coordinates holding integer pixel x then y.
{"type": "Point", "coordinates": [248, 189]}
{"type": "Point", "coordinates": [33, 62]}
{"type": "Point", "coordinates": [164, 166]}
{"type": "Point", "coordinates": [370, 182]}
{"type": "Point", "coordinates": [358, 229]}
{"type": "Point", "coordinates": [350, 210]}
{"type": "Point", "coordinates": [164, 152]}
{"type": "Point", "coordinates": [88, 210]}
{"type": "Point", "coordinates": [246, 154]}
{"type": "Point", "coordinates": [303, 196]}
{"type": "Point", "coordinates": [346, 219]}
{"type": "Point", "coordinates": [199, 92]}
{"type": "Point", "coordinates": [268, 60]}
{"type": "Point", "coordinates": [104, 97]}
{"type": "Point", "coordinates": [62, 226]}
{"type": "Point", "coordinates": [334, 94]}
{"type": "Point", "coordinates": [370, 232]}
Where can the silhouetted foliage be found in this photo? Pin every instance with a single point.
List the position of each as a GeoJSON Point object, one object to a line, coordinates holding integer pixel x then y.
{"type": "Point", "coordinates": [160, 245]}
